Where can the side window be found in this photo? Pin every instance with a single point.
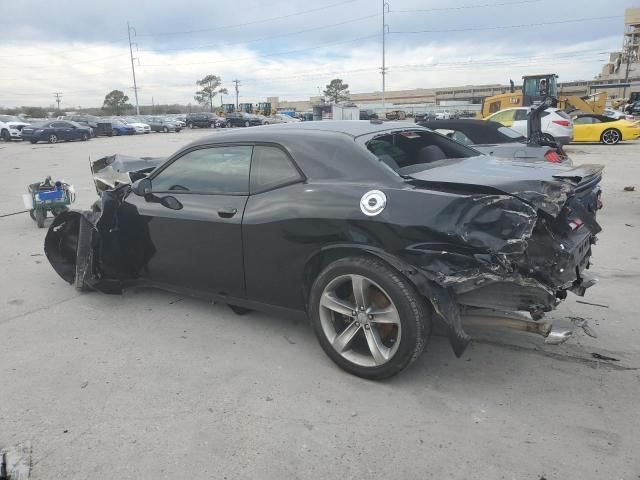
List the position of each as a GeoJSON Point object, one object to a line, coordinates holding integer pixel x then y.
{"type": "Point", "coordinates": [505, 117]}
{"type": "Point", "coordinates": [582, 120]}
{"type": "Point", "coordinates": [59, 125]}
{"type": "Point", "coordinates": [221, 170]}
{"type": "Point", "coordinates": [521, 115]}
{"type": "Point", "coordinates": [271, 167]}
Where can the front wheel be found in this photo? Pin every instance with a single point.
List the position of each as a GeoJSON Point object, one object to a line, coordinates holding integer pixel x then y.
{"type": "Point", "coordinates": [5, 136]}
{"type": "Point", "coordinates": [190, 125]}
{"type": "Point", "coordinates": [368, 318]}
{"type": "Point", "coordinates": [41, 215]}
{"type": "Point", "coordinates": [165, 130]}
{"type": "Point", "coordinates": [610, 136]}
{"type": "Point", "coordinates": [246, 124]}
{"type": "Point", "coordinates": [228, 124]}
{"type": "Point", "coordinates": [115, 132]}
{"type": "Point", "coordinates": [85, 137]}
{"type": "Point", "coordinates": [53, 138]}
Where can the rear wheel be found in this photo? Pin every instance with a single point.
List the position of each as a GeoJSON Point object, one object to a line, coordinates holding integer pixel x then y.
{"type": "Point", "coordinates": [5, 135]}
{"type": "Point", "coordinates": [368, 318]}
{"type": "Point", "coordinates": [610, 136]}
{"type": "Point", "coordinates": [85, 137]}
{"type": "Point", "coordinates": [34, 141]}
{"type": "Point", "coordinates": [53, 138]}
{"type": "Point", "coordinates": [228, 124]}
{"type": "Point", "coordinates": [247, 124]}
{"type": "Point", "coordinates": [115, 132]}
{"type": "Point", "coordinates": [165, 130]}
{"type": "Point", "coordinates": [190, 125]}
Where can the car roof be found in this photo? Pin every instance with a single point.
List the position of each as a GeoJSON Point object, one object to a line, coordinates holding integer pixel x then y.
{"type": "Point", "coordinates": [352, 128]}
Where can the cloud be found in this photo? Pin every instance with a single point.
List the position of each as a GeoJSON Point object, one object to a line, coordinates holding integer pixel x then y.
{"type": "Point", "coordinates": [87, 55]}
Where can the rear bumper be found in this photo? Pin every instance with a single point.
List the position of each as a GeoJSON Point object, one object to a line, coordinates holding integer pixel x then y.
{"type": "Point", "coordinates": [564, 140]}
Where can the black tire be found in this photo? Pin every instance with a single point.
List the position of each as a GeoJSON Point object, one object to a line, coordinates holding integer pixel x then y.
{"type": "Point", "coordinates": [32, 214]}
{"type": "Point", "coordinates": [611, 136]}
{"type": "Point", "coordinates": [228, 124]}
{"type": "Point", "coordinates": [212, 125]}
{"type": "Point", "coordinates": [247, 124]}
{"type": "Point", "coordinates": [41, 215]}
{"type": "Point", "coordinates": [5, 135]}
{"type": "Point", "coordinates": [115, 132]}
{"type": "Point", "coordinates": [53, 138]}
{"type": "Point", "coordinates": [190, 125]}
{"type": "Point", "coordinates": [85, 137]}
{"type": "Point", "coordinates": [412, 309]}
{"type": "Point", "coordinates": [84, 255]}
{"type": "Point", "coordinates": [33, 141]}
{"type": "Point", "coordinates": [165, 130]}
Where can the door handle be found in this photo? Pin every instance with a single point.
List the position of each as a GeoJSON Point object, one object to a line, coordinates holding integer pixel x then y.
{"type": "Point", "coordinates": [227, 212]}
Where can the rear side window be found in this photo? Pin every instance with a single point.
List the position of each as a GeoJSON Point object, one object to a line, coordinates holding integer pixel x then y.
{"type": "Point", "coordinates": [218, 170]}
{"type": "Point", "coordinates": [521, 115]}
{"type": "Point", "coordinates": [271, 168]}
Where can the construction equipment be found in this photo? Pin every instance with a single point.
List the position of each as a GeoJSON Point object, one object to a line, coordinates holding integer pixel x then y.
{"type": "Point", "coordinates": [537, 87]}
{"type": "Point", "coordinates": [264, 108]}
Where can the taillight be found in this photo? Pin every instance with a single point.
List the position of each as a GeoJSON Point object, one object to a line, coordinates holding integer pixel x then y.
{"type": "Point", "coordinates": [564, 123]}
{"type": "Point", "coordinates": [575, 224]}
{"type": "Point", "coordinates": [553, 157]}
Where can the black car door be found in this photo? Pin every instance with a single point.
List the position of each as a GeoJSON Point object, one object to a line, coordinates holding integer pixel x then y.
{"type": "Point", "coordinates": [62, 130]}
{"type": "Point", "coordinates": [194, 242]}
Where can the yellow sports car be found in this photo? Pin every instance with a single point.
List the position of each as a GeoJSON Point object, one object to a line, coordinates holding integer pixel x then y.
{"type": "Point", "coordinates": [599, 128]}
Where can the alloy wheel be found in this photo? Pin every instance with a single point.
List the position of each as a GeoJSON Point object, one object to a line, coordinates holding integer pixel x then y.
{"type": "Point", "coordinates": [53, 138]}
{"type": "Point", "coordinates": [610, 137]}
{"type": "Point", "coordinates": [360, 320]}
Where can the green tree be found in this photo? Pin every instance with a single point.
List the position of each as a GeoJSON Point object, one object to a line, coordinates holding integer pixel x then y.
{"type": "Point", "coordinates": [209, 90]}
{"type": "Point", "coordinates": [337, 91]}
{"type": "Point", "coordinates": [115, 102]}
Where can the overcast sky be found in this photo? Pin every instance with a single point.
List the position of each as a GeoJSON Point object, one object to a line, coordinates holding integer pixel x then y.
{"type": "Point", "coordinates": [290, 48]}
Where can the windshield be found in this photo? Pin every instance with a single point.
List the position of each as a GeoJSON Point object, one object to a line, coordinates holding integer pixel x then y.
{"type": "Point", "coordinates": [405, 151]}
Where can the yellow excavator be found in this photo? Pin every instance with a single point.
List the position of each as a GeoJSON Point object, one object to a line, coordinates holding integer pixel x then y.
{"type": "Point", "coordinates": [534, 89]}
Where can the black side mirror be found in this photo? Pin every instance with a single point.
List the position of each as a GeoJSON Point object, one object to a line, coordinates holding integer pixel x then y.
{"type": "Point", "coordinates": [142, 187]}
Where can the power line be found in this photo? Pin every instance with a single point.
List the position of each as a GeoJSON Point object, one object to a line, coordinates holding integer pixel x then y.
{"type": "Point", "coordinates": [261, 39]}
{"type": "Point", "coordinates": [289, 52]}
{"type": "Point", "coordinates": [500, 27]}
{"type": "Point", "coordinates": [263, 20]}
{"type": "Point", "coordinates": [465, 7]}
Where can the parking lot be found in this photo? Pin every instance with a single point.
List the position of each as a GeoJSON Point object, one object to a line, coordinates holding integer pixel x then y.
{"type": "Point", "coordinates": [154, 385]}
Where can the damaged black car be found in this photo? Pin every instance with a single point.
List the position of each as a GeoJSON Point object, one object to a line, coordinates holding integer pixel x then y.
{"type": "Point", "coordinates": [372, 230]}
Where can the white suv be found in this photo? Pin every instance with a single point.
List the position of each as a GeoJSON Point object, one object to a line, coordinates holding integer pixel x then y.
{"type": "Point", "coordinates": [11, 127]}
{"type": "Point", "coordinates": [554, 122]}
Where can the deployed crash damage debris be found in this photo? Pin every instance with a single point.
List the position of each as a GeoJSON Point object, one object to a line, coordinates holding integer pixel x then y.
{"type": "Point", "coordinates": [111, 171]}
{"type": "Point", "coordinates": [277, 219]}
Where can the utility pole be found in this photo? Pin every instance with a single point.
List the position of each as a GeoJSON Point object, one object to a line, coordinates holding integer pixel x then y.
{"type": "Point", "coordinates": [133, 68]}
{"type": "Point", "coordinates": [58, 96]}
{"type": "Point", "coordinates": [385, 27]}
{"type": "Point", "coordinates": [237, 82]}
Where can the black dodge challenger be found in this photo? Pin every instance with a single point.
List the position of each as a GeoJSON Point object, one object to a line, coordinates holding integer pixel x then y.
{"type": "Point", "coordinates": [372, 230]}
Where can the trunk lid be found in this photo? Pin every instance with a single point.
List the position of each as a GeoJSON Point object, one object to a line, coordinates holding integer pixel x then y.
{"type": "Point", "coordinates": [544, 185]}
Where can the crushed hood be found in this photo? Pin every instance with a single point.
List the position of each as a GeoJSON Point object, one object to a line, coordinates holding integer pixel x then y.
{"type": "Point", "coordinates": [545, 186]}
{"type": "Point", "coordinates": [110, 171]}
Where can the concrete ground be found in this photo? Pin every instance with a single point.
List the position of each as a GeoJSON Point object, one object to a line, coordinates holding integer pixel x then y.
{"type": "Point", "coordinates": [153, 385]}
